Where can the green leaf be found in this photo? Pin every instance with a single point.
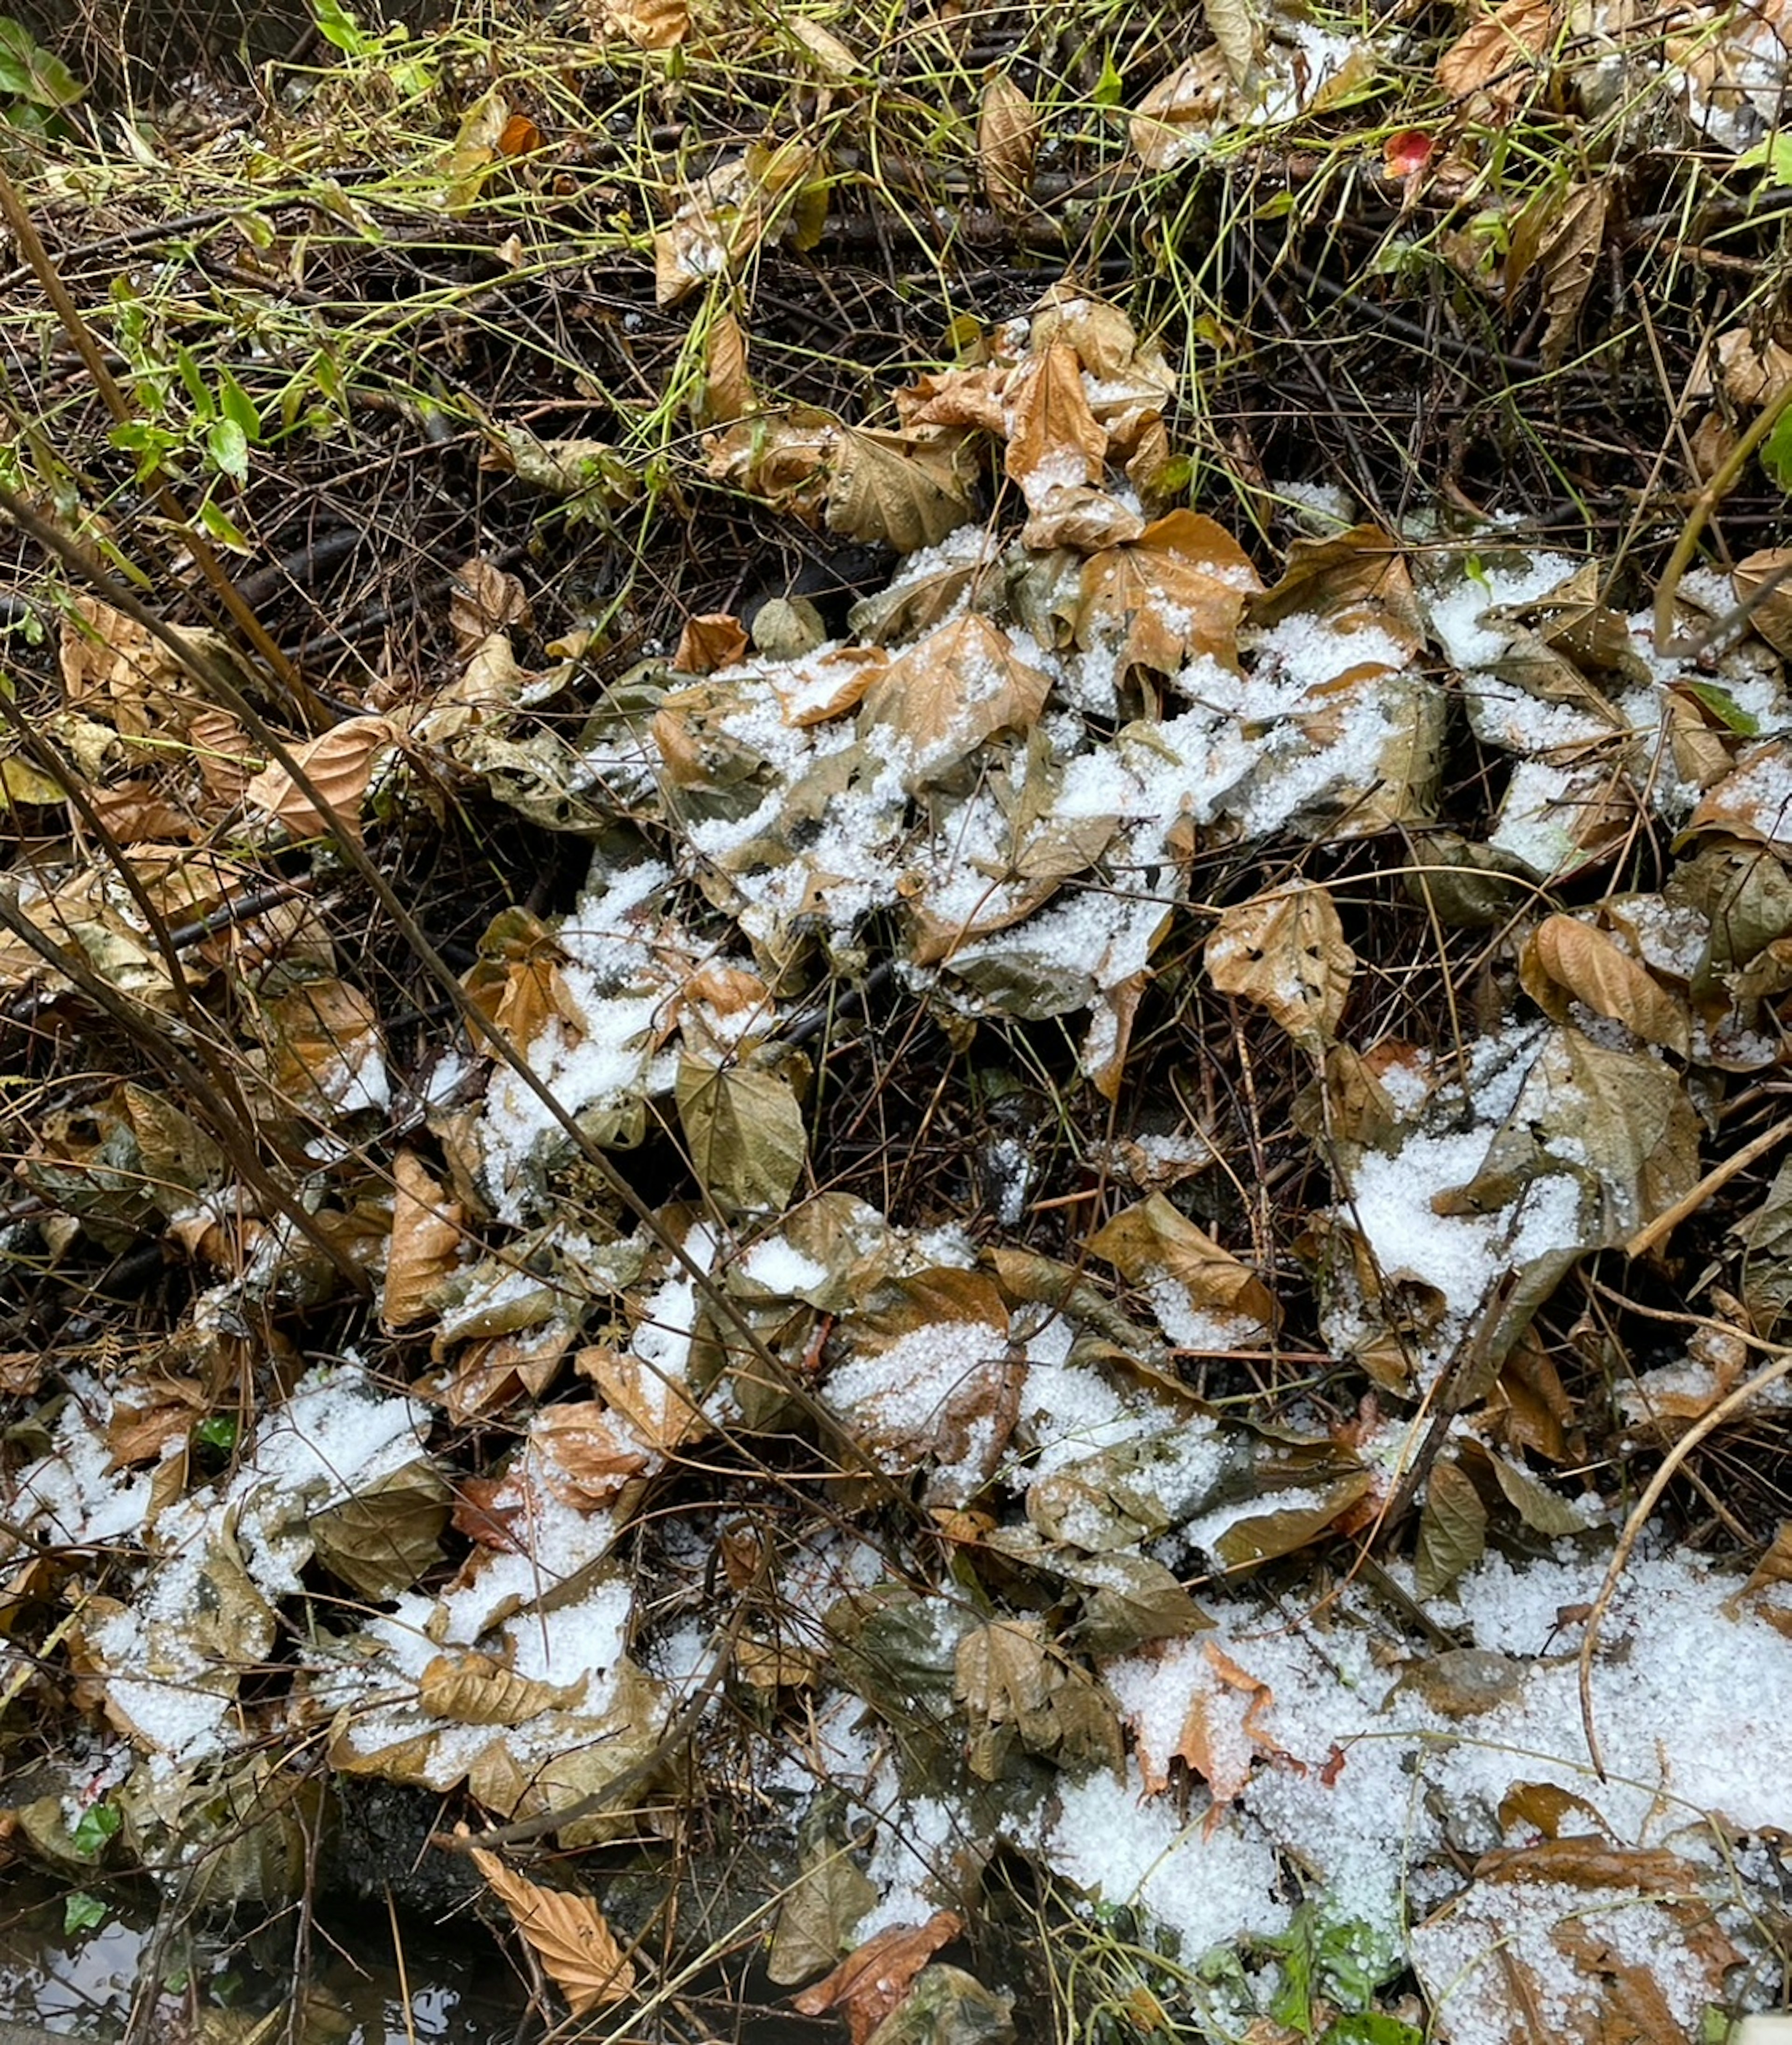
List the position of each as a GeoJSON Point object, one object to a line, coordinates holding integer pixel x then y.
{"type": "Point", "coordinates": [341, 28]}
{"type": "Point", "coordinates": [205, 405]}
{"type": "Point", "coordinates": [236, 404]}
{"type": "Point", "coordinates": [1110, 87]}
{"type": "Point", "coordinates": [229, 448]}
{"type": "Point", "coordinates": [1774, 156]}
{"type": "Point", "coordinates": [1722, 705]}
{"type": "Point", "coordinates": [30, 71]}
{"type": "Point", "coordinates": [217, 1430]}
{"type": "Point", "coordinates": [82, 1912]}
{"type": "Point", "coordinates": [1371, 2031]}
{"type": "Point", "coordinates": [220, 527]}
{"type": "Point", "coordinates": [96, 1826]}
{"type": "Point", "coordinates": [1776, 452]}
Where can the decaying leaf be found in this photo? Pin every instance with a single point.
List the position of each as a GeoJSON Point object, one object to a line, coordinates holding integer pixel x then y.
{"type": "Point", "coordinates": [649, 24]}
{"type": "Point", "coordinates": [569, 1935]}
{"type": "Point", "coordinates": [947, 695]}
{"type": "Point", "coordinates": [1007, 135]}
{"type": "Point", "coordinates": [1570, 256]}
{"type": "Point", "coordinates": [871, 1982]}
{"type": "Point", "coordinates": [474, 1689]}
{"type": "Point", "coordinates": [1176, 591]}
{"type": "Point", "coordinates": [1286, 951]}
{"type": "Point", "coordinates": [906, 490]}
{"type": "Point", "coordinates": [428, 1229]}
{"type": "Point", "coordinates": [1153, 1237]}
{"type": "Point", "coordinates": [339, 766]}
{"type": "Point", "coordinates": [744, 1131]}
{"type": "Point", "coordinates": [1569, 960]}
{"type": "Point", "coordinates": [1496, 56]}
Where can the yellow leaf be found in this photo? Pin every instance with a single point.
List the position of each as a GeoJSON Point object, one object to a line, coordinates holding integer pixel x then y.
{"type": "Point", "coordinates": [574, 1945]}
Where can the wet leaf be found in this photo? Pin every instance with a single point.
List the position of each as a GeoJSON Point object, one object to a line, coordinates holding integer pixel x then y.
{"type": "Point", "coordinates": [745, 1133]}
{"type": "Point", "coordinates": [1153, 1236]}
{"type": "Point", "coordinates": [818, 1917]}
{"type": "Point", "coordinates": [871, 1982]}
{"type": "Point", "coordinates": [1286, 951]}
{"type": "Point", "coordinates": [947, 695]}
{"type": "Point", "coordinates": [474, 1689]}
{"type": "Point", "coordinates": [1452, 1529]}
{"type": "Point", "coordinates": [1178, 591]}
{"type": "Point", "coordinates": [380, 1539]}
{"type": "Point", "coordinates": [575, 1947]}
{"type": "Point", "coordinates": [1567, 960]}
{"type": "Point", "coordinates": [947, 2006]}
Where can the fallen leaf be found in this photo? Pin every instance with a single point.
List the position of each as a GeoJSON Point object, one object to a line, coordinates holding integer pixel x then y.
{"type": "Point", "coordinates": [1568, 961]}
{"type": "Point", "coordinates": [1152, 1236]}
{"type": "Point", "coordinates": [1496, 54]}
{"type": "Point", "coordinates": [569, 1937]}
{"type": "Point", "coordinates": [871, 1982]}
{"type": "Point", "coordinates": [339, 765]}
{"type": "Point", "coordinates": [1285, 950]}
{"type": "Point", "coordinates": [947, 695]}
{"type": "Point", "coordinates": [429, 1228]}
{"type": "Point", "coordinates": [1007, 135]}
{"type": "Point", "coordinates": [649, 24]}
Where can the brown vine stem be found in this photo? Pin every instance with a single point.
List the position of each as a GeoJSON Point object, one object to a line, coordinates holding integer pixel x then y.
{"type": "Point", "coordinates": [1709, 499]}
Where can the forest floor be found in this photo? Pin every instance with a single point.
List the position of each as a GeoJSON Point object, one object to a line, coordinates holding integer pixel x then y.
{"type": "Point", "coordinates": [896, 959]}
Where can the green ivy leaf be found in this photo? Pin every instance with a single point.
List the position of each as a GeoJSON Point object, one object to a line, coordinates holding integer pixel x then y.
{"type": "Point", "coordinates": [228, 447]}
{"type": "Point", "coordinates": [95, 1829]}
{"type": "Point", "coordinates": [82, 1913]}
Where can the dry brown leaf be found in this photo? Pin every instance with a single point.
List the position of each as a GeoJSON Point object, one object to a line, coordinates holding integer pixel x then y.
{"type": "Point", "coordinates": [1763, 582]}
{"type": "Point", "coordinates": [474, 1689]}
{"type": "Point", "coordinates": [1152, 1236]}
{"type": "Point", "coordinates": [664, 1415]}
{"type": "Point", "coordinates": [326, 1054]}
{"type": "Point", "coordinates": [905, 490]}
{"type": "Point", "coordinates": [1178, 591]}
{"type": "Point", "coordinates": [339, 765]}
{"type": "Point", "coordinates": [717, 639]}
{"type": "Point", "coordinates": [569, 1935]}
{"type": "Point", "coordinates": [975, 397]}
{"type": "Point", "coordinates": [1054, 441]}
{"type": "Point", "coordinates": [1285, 950]}
{"type": "Point", "coordinates": [1569, 255]}
{"type": "Point", "coordinates": [484, 599]}
{"type": "Point", "coordinates": [947, 695]}
{"type": "Point", "coordinates": [832, 56]}
{"type": "Point", "coordinates": [728, 389]}
{"type": "Point", "coordinates": [1568, 961]}
{"type": "Point", "coordinates": [1175, 117]}
{"type": "Point", "coordinates": [428, 1227]}
{"type": "Point", "coordinates": [1221, 1735]}
{"type": "Point", "coordinates": [1007, 135]}
{"type": "Point", "coordinates": [1753, 372]}
{"type": "Point", "coordinates": [587, 1460]}
{"type": "Point", "coordinates": [649, 24]}
{"type": "Point", "coordinates": [1495, 55]}
{"type": "Point", "coordinates": [1234, 29]}
{"type": "Point", "coordinates": [869, 1984]}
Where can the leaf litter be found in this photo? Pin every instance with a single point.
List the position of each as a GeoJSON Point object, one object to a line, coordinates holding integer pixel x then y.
{"type": "Point", "coordinates": [1221, 1557]}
